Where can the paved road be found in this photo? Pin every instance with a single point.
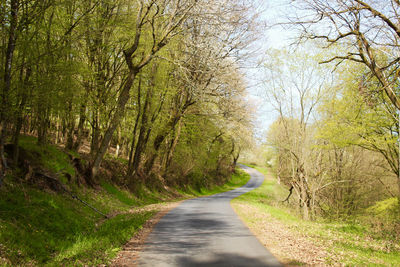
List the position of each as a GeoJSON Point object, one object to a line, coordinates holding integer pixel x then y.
{"type": "Point", "coordinates": [206, 232]}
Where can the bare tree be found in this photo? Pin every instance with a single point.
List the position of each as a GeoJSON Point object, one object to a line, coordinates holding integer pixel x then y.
{"type": "Point", "coordinates": [294, 87]}
{"type": "Point", "coordinates": [368, 31]}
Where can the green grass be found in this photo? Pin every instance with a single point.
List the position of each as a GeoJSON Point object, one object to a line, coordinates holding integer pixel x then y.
{"type": "Point", "coordinates": [49, 157]}
{"type": "Point", "coordinates": [44, 228]}
{"type": "Point", "coordinates": [122, 196]}
{"type": "Point", "coordinates": [349, 244]}
{"type": "Point", "coordinates": [102, 245]}
{"type": "Point", "coordinates": [50, 229]}
{"type": "Point", "coordinates": [238, 179]}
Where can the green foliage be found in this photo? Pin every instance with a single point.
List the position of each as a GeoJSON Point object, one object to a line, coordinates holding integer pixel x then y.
{"type": "Point", "coordinates": [43, 228]}
{"type": "Point", "coordinates": [48, 156]}
{"type": "Point", "coordinates": [384, 218]}
{"type": "Point", "coordinates": [385, 208]}
{"type": "Point", "coordinates": [237, 179]}
{"type": "Point", "coordinates": [350, 244]}
{"type": "Point", "coordinates": [119, 194]}
{"type": "Point", "coordinates": [104, 243]}
{"type": "Point", "coordinates": [353, 113]}
{"type": "Point", "coordinates": [71, 70]}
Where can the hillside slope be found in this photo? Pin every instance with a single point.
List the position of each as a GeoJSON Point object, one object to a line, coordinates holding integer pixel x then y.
{"type": "Point", "coordinates": [50, 216]}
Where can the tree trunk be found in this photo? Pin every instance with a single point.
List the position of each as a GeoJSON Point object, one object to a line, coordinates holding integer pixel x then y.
{"type": "Point", "coordinates": [304, 195]}
{"type": "Point", "coordinates": [159, 140]}
{"type": "Point", "coordinates": [172, 147]}
{"type": "Point", "coordinates": [142, 140]}
{"type": "Point", "coordinates": [71, 126]}
{"type": "Point", "coordinates": [20, 115]}
{"type": "Point", "coordinates": [79, 131]}
{"type": "Point", "coordinates": [95, 140]}
{"type": "Point", "coordinates": [12, 37]}
{"type": "Point", "coordinates": [115, 120]}
{"type": "Point", "coordinates": [139, 110]}
{"type": "Point", "coordinates": [43, 123]}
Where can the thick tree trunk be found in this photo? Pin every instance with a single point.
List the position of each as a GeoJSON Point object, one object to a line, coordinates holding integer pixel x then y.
{"type": "Point", "coordinates": [235, 157]}
{"type": "Point", "coordinates": [142, 140]}
{"type": "Point", "coordinates": [115, 120]}
{"type": "Point", "coordinates": [20, 115]}
{"type": "Point", "coordinates": [139, 113]}
{"type": "Point", "coordinates": [304, 195]}
{"type": "Point", "coordinates": [12, 37]}
{"type": "Point", "coordinates": [79, 131]}
{"type": "Point", "coordinates": [159, 140]}
{"type": "Point", "coordinates": [172, 147]}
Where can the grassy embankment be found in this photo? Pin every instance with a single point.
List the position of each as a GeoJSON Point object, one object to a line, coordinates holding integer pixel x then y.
{"type": "Point", "coordinates": [41, 227]}
{"type": "Point", "coordinates": [352, 243]}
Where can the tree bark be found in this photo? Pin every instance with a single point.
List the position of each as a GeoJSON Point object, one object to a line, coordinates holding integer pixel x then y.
{"type": "Point", "coordinates": [159, 139]}
{"type": "Point", "coordinates": [79, 131]}
{"type": "Point", "coordinates": [172, 147]}
{"type": "Point", "coordinates": [12, 37]}
{"type": "Point", "coordinates": [115, 120]}
{"type": "Point", "coordinates": [139, 113]}
{"type": "Point", "coordinates": [142, 140]}
{"type": "Point", "coordinates": [20, 114]}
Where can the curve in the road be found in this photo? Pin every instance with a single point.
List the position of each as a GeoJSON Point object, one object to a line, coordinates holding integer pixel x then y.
{"type": "Point", "coordinates": [207, 232]}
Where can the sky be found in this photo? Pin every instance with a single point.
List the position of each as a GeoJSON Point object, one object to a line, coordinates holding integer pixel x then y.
{"type": "Point", "coordinates": [270, 38]}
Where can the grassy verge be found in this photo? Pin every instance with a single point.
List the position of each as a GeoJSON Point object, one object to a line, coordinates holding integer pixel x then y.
{"type": "Point", "coordinates": [41, 227]}
{"type": "Point", "coordinates": [238, 179]}
{"type": "Point", "coordinates": [350, 244]}
{"type": "Point", "coordinates": [46, 228]}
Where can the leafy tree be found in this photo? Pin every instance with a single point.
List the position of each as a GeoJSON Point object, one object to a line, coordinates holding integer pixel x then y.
{"type": "Point", "coordinates": [351, 115]}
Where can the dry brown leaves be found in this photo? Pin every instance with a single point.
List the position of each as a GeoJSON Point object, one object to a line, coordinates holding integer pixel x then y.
{"type": "Point", "coordinates": [290, 247]}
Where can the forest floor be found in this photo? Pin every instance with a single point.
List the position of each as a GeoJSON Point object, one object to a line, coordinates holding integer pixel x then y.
{"type": "Point", "coordinates": [42, 226]}
{"type": "Point", "coordinates": [296, 242]}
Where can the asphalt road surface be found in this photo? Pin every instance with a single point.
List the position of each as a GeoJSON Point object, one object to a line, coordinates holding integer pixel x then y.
{"type": "Point", "coordinates": [206, 232]}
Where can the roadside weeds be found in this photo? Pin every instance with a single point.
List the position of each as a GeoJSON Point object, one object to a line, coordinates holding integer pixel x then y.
{"type": "Point", "coordinates": [129, 254]}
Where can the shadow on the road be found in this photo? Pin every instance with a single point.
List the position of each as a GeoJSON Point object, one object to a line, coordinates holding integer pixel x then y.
{"type": "Point", "coordinates": [189, 232]}
{"type": "Point", "coordinates": [226, 259]}
{"type": "Point", "coordinates": [206, 232]}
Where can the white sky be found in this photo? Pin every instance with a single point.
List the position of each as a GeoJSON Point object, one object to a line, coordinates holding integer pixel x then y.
{"type": "Point", "coordinates": [276, 38]}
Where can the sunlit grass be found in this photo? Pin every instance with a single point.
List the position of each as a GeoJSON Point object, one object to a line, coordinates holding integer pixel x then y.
{"type": "Point", "coordinates": [238, 179]}
{"type": "Point", "coordinates": [40, 227]}
{"type": "Point", "coordinates": [347, 243]}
